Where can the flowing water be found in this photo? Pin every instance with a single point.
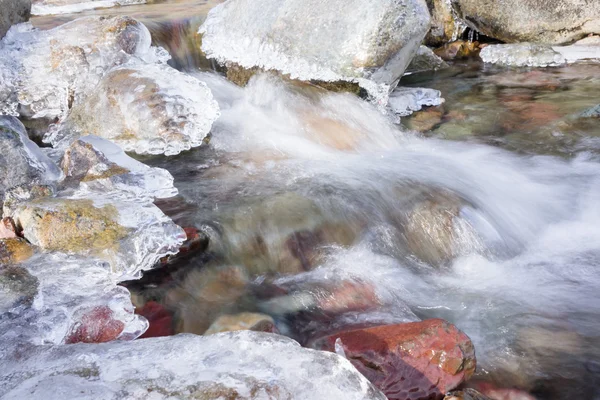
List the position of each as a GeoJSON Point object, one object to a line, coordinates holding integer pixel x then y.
{"type": "Point", "coordinates": [332, 215]}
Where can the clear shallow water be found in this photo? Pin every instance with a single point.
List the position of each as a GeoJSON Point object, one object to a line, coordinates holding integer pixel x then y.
{"type": "Point", "coordinates": [306, 190]}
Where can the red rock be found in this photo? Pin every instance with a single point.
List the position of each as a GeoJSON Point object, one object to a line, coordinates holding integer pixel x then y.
{"type": "Point", "coordinates": [95, 326]}
{"type": "Point", "coordinates": [495, 393]}
{"type": "Point", "coordinates": [7, 228]}
{"type": "Point", "coordinates": [160, 320]}
{"type": "Point", "coordinates": [412, 361]}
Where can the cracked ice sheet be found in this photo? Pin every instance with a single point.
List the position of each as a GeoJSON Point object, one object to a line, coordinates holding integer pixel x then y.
{"type": "Point", "coordinates": [245, 365]}
{"type": "Point", "coordinates": [53, 7]}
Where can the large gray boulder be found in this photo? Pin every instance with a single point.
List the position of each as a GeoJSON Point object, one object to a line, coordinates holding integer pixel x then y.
{"type": "Point", "coordinates": [367, 42]}
{"type": "Point", "coordinates": [13, 12]}
{"type": "Point", "coordinates": [538, 21]}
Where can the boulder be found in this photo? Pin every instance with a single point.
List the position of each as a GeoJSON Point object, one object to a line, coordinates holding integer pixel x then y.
{"type": "Point", "coordinates": [371, 46]}
{"type": "Point", "coordinates": [539, 21]}
{"type": "Point", "coordinates": [238, 322]}
{"type": "Point", "coordinates": [146, 109]}
{"type": "Point", "coordinates": [21, 161]}
{"type": "Point", "coordinates": [413, 361]}
{"type": "Point", "coordinates": [13, 12]}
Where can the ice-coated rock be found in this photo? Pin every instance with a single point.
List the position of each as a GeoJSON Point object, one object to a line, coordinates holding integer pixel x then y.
{"type": "Point", "coordinates": [147, 108]}
{"type": "Point", "coordinates": [43, 73]}
{"type": "Point", "coordinates": [21, 161]}
{"type": "Point", "coordinates": [425, 60]}
{"type": "Point", "coordinates": [13, 12]}
{"type": "Point", "coordinates": [540, 21]}
{"type": "Point", "coordinates": [405, 100]}
{"type": "Point", "coordinates": [317, 40]}
{"type": "Point", "coordinates": [17, 287]}
{"type": "Point", "coordinates": [74, 300]}
{"type": "Point", "coordinates": [241, 365]}
{"type": "Point", "coordinates": [50, 7]}
{"type": "Point", "coordinates": [99, 165]}
{"type": "Point", "coordinates": [522, 55]}
{"type": "Point", "coordinates": [538, 55]}
{"type": "Point", "coordinates": [130, 236]}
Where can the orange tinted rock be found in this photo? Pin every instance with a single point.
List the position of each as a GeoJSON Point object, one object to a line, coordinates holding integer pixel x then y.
{"type": "Point", "coordinates": [412, 361]}
{"type": "Point", "coordinates": [97, 325]}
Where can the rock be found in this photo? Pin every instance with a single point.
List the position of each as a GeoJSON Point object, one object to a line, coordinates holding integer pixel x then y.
{"type": "Point", "coordinates": [466, 394]}
{"type": "Point", "coordinates": [22, 194]}
{"type": "Point", "coordinates": [204, 295]}
{"type": "Point", "coordinates": [17, 287]}
{"type": "Point", "coordinates": [457, 50]}
{"type": "Point", "coordinates": [425, 60]}
{"type": "Point", "coordinates": [21, 161]}
{"type": "Point", "coordinates": [540, 21]}
{"type": "Point", "coordinates": [424, 121]}
{"type": "Point", "coordinates": [196, 242]}
{"type": "Point", "coordinates": [53, 7]}
{"type": "Point", "coordinates": [147, 109]}
{"type": "Point", "coordinates": [371, 46]}
{"type": "Point", "coordinates": [235, 365]}
{"type": "Point", "coordinates": [70, 226]}
{"type": "Point", "coordinates": [238, 322]}
{"type": "Point", "coordinates": [495, 393]}
{"type": "Point", "coordinates": [46, 72]}
{"type": "Point", "coordinates": [159, 318]}
{"type": "Point", "coordinates": [13, 12]}
{"type": "Point", "coordinates": [413, 361]}
{"type": "Point", "coordinates": [404, 100]}
{"type": "Point", "coordinates": [444, 26]}
{"type": "Point", "coordinates": [97, 325]}
{"type": "Point", "coordinates": [97, 164]}
{"type": "Point", "coordinates": [8, 230]}
{"type": "Point", "coordinates": [14, 250]}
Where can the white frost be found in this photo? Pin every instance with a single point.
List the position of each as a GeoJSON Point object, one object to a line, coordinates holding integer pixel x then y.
{"type": "Point", "coordinates": [52, 7]}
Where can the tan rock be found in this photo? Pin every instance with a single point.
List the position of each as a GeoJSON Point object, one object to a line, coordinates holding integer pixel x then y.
{"type": "Point", "coordinates": [14, 250]}
{"type": "Point", "coordinates": [237, 322]}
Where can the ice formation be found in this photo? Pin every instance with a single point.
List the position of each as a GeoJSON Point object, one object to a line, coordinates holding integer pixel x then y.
{"type": "Point", "coordinates": [145, 108]}
{"type": "Point", "coordinates": [405, 100]}
{"type": "Point", "coordinates": [43, 72]}
{"type": "Point", "coordinates": [312, 40]}
{"type": "Point", "coordinates": [114, 173]}
{"type": "Point", "coordinates": [241, 365]}
{"type": "Point", "coordinates": [51, 7]}
{"type": "Point", "coordinates": [538, 55]}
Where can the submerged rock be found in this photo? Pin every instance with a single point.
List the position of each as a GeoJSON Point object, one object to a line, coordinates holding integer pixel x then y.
{"type": "Point", "coordinates": [238, 322]}
{"type": "Point", "coordinates": [147, 109]}
{"type": "Point", "coordinates": [13, 12]}
{"type": "Point", "coordinates": [371, 46]}
{"type": "Point", "coordinates": [237, 365]}
{"type": "Point", "coordinates": [45, 72]}
{"type": "Point", "coordinates": [160, 320]}
{"type": "Point", "coordinates": [413, 361]}
{"type": "Point", "coordinates": [540, 21]}
{"type": "Point", "coordinates": [21, 161]}
{"type": "Point", "coordinates": [95, 325]}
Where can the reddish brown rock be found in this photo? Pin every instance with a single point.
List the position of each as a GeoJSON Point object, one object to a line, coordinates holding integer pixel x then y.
{"type": "Point", "coordinates": [160, 320]}
{"type": "Point", "coordinates": [7, 228]}
{"type": "Point", "coordinates": [413, 361]}
{"type": "Point", "coordinates": [97, 325]}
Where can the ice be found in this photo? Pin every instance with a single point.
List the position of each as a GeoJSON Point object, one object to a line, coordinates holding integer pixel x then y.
{"type": "Point", "coordinates": [50, 7]}
{"type": "Point", "coordinates": [404, 100]}
{"type": "Point", "coordinates": [147, 109]}
{"type": "Point", "coordinates": [43, 72]}
{"type": "Point", "coordinates": [241, 365]}
{"type": "Point", "coordinates": [140, 182]}
{"type": "Point", "coordinates": [313, 40]}
{"type": "Point", "coordinates": [67, 287]}
{"type": "Point", "coordinates": [21, 161]}
{"type": "Point", "coordinates": [538, 55]}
